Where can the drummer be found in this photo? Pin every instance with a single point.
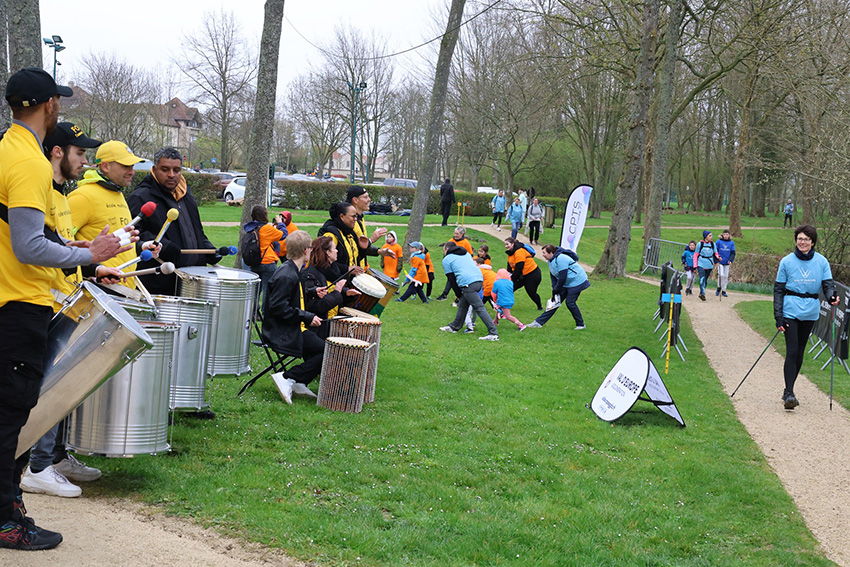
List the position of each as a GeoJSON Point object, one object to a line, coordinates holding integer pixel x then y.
{"type": "Point", "coordinates": [51, 469]}
{"type": "Point", "coordinates": [31, 253]}
{"type": "Point", "coordinates": [357, 196]}
{"type": "Point", "coordinates": [324, 286]}
{"type": "Point", "coordinates": [287, 327]}
{"type": "Point", "coordinates": [340, 228]}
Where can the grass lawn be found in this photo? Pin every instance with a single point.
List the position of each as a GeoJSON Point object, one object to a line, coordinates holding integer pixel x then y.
{"type": "Point", "coordinates": [478, 453]}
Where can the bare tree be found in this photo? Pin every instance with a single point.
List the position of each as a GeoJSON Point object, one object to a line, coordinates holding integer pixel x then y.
{"type": "Point", "coordinates": [315, 106]}
{"type": "Point", "coordinates": [435, 121]}
{"type": "Point", "coordinates": [408, 106]}
{"type": "Point", "coordinates": [218, 63]}
{"type": "Point", "coordinates": [263, 126]}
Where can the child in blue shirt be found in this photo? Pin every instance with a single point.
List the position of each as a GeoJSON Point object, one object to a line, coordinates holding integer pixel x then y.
{"type": "Point", "coordinates": [726, 254]}
{"type": "Point", "coordinates": [688, 263]}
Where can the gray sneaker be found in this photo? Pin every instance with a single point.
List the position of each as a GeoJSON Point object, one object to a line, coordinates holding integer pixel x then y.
{"type": "Point", "coordinates": [489, 338]}
{"type": "Point", "coordinates": [448, 329]}
{"type": "Point", "coordinates": [72, 469]}
{"type": "Point", "coordinates": [580, 328]}
{"type": "Point", "coordinates": [302, 390]}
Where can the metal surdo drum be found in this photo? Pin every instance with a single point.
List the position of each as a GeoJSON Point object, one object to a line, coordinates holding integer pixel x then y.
{"type": "Point", "coordinates": [196, 318]}
{"type": "Point", "coordinates": [343, 380]}
{"type": "Point", "coordinates": [368, 330]}
{"type": "Point", "coordinates": [139, 310]}
{"type": "Point", "coordinates": [390, 285]}
{"type": "Point", "coordinates": [128, 415]}
{"type": "Point", "coordinates": [235, 291]}
{"type": "Point", "coordinates": [371, 291]}
{"type": "Point", "coordinates": [89, 340]}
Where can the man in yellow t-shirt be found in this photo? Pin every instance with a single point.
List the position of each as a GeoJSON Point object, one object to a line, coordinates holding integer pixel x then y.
{"type": "Point", "coordinates": [359, 197]}
{"type": "Point", "coordinates": [30, 254]}
{"type": "Point", "coordinates": [99, 199]}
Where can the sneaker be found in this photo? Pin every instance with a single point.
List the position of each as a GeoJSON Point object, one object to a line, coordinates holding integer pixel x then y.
{"type": "Point", "coordinates": [468, 330]}
{"type": "Point", "coordinates": [489, 338]}
{"type": "Point", "coordinates": [454, 303]}
{"type": "Point", "coordinates": [688, 292]}
{"type": "Point", "coordinates": [580, 327]}
{"type": "Point", "coordinates": [284, 386]}
{"type": "Point", "coordinates": [448, 329]}
{"type": "Point", "coordinates": [717, 293]}
{"type": "Point", "coordinates": [26, 536]}
{"type": "Point", "coordinates": [702, 296]}
{"type": "Point", "coordinates": [723, 293]}
{"type": "Point", "coordinates": [72, 469]}
{"type": "Point", "coordinates": [302, 390]}
{"type": "Point", "coordinates": [521, 327]}
{"type": "Point", "coordinates": [442, 298]}
{"type": "Point", "coordinates": [49, 481]}
{"type": "Point", "coordinates": [533, 325]}
{"type": "Point", "coordinates": [492, 225]}
{"type": "Point", "coordinates": [499, 228]}
{"type": "Point", "coordinates": [400, 300]}
{"type": "Point", "coordinates": [790, 401]}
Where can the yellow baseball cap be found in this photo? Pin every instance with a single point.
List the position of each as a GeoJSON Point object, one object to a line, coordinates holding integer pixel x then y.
{"type": "Point", "coordinates": [114, 150]}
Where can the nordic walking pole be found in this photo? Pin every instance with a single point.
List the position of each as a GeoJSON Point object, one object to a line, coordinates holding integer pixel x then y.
{"type": "Point", "coordinates": [756, 362]}
{"type": "Point", "coordinates": [832, 360]}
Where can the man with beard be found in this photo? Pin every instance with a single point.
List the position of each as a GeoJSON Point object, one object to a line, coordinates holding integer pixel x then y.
{"type": "Point", "coordinates": [31, 252]}
{"type": "Point", "coordinates": [167, 188]}
{"type": "Point", "coordinates": [99, 199]}
{"type": "Point", "coordinates": [359, 197]}
{"type": "Point", "coordinates": [50, 465]}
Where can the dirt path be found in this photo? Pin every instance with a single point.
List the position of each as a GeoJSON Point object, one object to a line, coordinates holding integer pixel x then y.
{"type": "Point", "coordinates": [806, 447]}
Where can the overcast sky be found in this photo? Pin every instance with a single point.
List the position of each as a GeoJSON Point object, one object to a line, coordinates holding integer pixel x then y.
{"type": "Point", "coordinates": [148, 34]}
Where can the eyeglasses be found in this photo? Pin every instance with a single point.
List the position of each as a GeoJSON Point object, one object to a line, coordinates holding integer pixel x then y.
{"type": "Point", "coordinates": [803, 239]}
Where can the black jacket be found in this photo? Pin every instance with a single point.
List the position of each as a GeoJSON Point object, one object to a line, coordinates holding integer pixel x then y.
{"type": "Point", "coordinates": [185, 232]}
{"type": "Point", "coordinates": [283, 317]}
{"type": "Point", "coordinates": [447, 193]}
{"type": "Point", "coordinates": [340, 231]}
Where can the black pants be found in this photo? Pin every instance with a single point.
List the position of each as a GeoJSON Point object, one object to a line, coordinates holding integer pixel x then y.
{"type": "Point", "coordinates": [23, 334]}
{"type": "Point", "coordinates": [451, 285]}
{"type": "Point", "coordinates": [497, 218]}
{"type": "Point", "coordinates": [534, 230]}
{"type": "Point", "coordinates": [446, 210]}
{"type": "Point", "coordinates": [796, 338]}
{"type": "Point", "coordinates": [530, 282]}
{"type": "Point", "coordinates": [312, 351]}
{"type": "Point", "coordinates": [430, 284]}
{"type": "Point", "coordinates": [789, 219]}
{"type": "Point", "coordinates": [417, 289]}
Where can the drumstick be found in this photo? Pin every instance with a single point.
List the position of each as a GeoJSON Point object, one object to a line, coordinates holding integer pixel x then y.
{"type": "Point", "coordinates": [123, 233]}
{"type": "Point", "coordinates": [223, 251]}
{"type": "Point", "coordinates": [170, 217]}
{"type": "Point", "coordinates": [143, 257]}
{"type": "Point", "coordinates": [166, 268]}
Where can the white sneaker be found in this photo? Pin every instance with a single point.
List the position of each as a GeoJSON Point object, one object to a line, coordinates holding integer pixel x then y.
{"type": "Point", "coordinates": [49, 481]}
{"type": "Point", "coordinates": [72, 469]}
{"type": "Point", "coordinates": [489, 338]}
{"type": "Point", "coordinates": [302, 390]}
{"type": "Point", "coordinates": [284, 386]}
{"type": "Point", "coordinates": [448, 329]}
{"type": "Point", "coordinates": [499, 228]}
{"type": "Point", "coordinates": [580, 328]}
{"type": "Point", "coordinates": [533, 325]}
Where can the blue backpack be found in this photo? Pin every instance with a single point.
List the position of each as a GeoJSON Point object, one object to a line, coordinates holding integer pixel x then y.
{"type": "Point", "coordinates": [529, 249]}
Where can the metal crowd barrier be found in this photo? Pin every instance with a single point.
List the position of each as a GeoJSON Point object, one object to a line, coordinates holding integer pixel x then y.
{"type": "Point", "coordinates": [658, 252]}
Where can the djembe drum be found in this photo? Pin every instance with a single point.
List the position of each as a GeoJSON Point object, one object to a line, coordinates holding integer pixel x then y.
{"type": "Point", "coordinates": [352, 312]}
{"type": "Point", "coordinates": [371, 291]}
{"type": "Point", "coordinates": [368, 330]}
{"type": "Point", "coordinates": [343, 380]}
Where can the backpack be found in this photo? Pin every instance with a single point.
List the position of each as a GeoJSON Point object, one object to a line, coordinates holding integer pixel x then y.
{"type": "Point", "coordinates": [571, 254]}
{"type": "Point", "coordinates": [252, 256]}
{"type": "Point", "coordinates": [529, 249]}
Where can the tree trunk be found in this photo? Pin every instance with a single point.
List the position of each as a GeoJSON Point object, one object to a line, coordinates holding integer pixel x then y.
{"type": "Point", "coordinates": [661, 142]}
{"type": "Point", "coordinates": [435, 122]}
{"type": "Point", "coordinates": [262, 129]}
{"type": "Point", "coordinates": [24, 25]}
{"type": "Point", "coordinates": [736, 194]}
{"type": "Point", "coordinates": [613, 260]}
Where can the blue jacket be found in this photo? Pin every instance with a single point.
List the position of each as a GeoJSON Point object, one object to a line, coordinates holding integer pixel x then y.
{"type": "Point", "coordinates": [565, 272]}
{"type": "Point", "coordinates": [516, 213]}
{"type": "Point", "coordinates": [498, 204]}
{"type": "Point", "coordinates": [504, 290]}
{"type": "Point", "coordinates": [726, 249]}
{"type": "Point", "coordinates": [458, 262]}
{"type": "Point", "coordinates": [688, 259]}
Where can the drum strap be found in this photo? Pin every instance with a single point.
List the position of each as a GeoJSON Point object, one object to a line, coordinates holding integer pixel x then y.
{"type": "Point", "coordinates": [49, 234]}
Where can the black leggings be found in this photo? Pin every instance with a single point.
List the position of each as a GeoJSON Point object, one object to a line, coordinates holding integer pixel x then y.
{"type": "Point", "coordinates": [796, 338]}
{"type": "Point", "coordinates": [530, 282]}
{"type": "Point", "coordinates": [430, 284]}
{"type": "Point", "coordinates": [534, 231]}
{"type": "Point", "coordinates": [497, 218]}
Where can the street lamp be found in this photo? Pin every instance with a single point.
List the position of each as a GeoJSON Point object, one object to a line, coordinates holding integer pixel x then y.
{"type": "Point", "coordinates": [356, 90]}
{"type": "Point", "coordinates": [55, 43]}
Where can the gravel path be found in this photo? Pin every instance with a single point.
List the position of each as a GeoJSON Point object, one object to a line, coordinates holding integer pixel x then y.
{"type": "Point", "coordinates": [806, 447]}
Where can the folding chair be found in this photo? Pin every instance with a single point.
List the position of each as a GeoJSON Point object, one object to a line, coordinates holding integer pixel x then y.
{"type": "Point", "coordinates": [277, 362]}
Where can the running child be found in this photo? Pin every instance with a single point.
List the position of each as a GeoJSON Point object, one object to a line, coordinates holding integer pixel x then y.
{"type": "Point", "coordinates": [503, 298]}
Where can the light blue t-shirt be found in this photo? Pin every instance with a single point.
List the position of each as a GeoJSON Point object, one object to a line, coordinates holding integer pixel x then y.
{"type": "Point", "coordinates": [463, 267]}
{"type": "Point", "coordinates": [575, 273]}
{"type": "Point", "coordinates": [802, 276]}
{"type": "Point", "coordinates": [516, 213]}
{"type": "Point", "coordinates": [498, 204]}
{"type": "Point", "coordinates": [504, 290]}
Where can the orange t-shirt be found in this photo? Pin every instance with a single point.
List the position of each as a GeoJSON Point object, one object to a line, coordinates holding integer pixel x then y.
{"type": "Point", "coordinates": [391, 264]}
{"type": "Point", "coordinates": [421, 274]}
{"type": "Point", "coordinates": [522, 256]}
{"type": "Point", "coordinates": [269, 234]}
{"type": "Point", "coordinates": [428, 263]}
{"type": "Point", "coordinates": [489, 278]}
{"type": "Point", "coordinates": [291, 227]}
{"type": "Point", "coordinates": [464, 243]}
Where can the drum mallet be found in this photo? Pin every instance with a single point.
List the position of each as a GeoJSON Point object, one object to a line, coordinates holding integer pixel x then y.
{"type": "Point", "coordinates": [756, 362]}
{"type": "Point", "coordinates": [166, 268]}
{"type": "Point", "coordinates": [223, 251]}
{"type": "Point", "coordinates": [123, 233]}
{"type": "Point", "coordinates": [170, 217]}
{"type": "Point", "coordinates": [143, 257]}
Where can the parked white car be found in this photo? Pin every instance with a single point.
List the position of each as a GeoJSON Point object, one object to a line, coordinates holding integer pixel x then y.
{"type": "Point", "coordinates": [235, 189]}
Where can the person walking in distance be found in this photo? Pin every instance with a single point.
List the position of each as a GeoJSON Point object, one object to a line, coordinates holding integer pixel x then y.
{"type": "Point", "coordinates": [535, 216]}
{"type": "Point", "coordinates": [447, 199]}
{"type": "Point", "coordinates": [497, 205]}
{"type": "Point", "coordinates": [726, 253]}
{"type": "Point", "coordinates": [705, 256]}
{"type": "Point", "coordinates": [789, 214]}
{"type": "Point", "coordinates": [688, 264]}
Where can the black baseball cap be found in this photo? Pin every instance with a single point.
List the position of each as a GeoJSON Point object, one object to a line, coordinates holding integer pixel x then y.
{"type": "Point", "coordinates": [32, 86]}
{"type": "Point", "coordinates": [69, 134]}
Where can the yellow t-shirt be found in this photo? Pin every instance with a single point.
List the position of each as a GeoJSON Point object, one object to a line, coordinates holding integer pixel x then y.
{"type": "Point", "coordinates": [26, 180]}
{"type": "Point", "coordinates": [92, 208]}
{"type": "Point", "coordinates": [60, 221]}
{"type": "Point", "coordinates": [360, 230]}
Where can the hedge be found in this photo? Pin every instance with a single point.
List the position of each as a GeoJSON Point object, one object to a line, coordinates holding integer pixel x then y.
{"type": "Point", "coordinates": [202, 185]}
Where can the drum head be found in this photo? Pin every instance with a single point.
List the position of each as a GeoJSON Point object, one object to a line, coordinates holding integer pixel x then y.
{"type": "Point", "coordinates": [352, 312]}
{"type": "Point", "coordinates": [215, 273]}
{"type": "Point", "coordinates": [385, 280]}
{"type": "Point", "coordinates": [369, 285]}
{"type": "Point", "coordinates": [349, 342]}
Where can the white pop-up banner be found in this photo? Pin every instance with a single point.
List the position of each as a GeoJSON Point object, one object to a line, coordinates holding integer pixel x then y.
{"type": "Point", "coordinates": [575, 216]}
{"type": "Point", "coordinates": [633, 375]}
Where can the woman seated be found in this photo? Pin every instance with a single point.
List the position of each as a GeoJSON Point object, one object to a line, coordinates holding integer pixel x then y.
{"type": "Point", "coordinates": [323, 283]}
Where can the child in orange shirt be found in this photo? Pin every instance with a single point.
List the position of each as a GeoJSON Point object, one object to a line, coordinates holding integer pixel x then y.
{"type": "Point", "coordinates": [391, 265]}
{"type": "Point", "coordinates": [484, 254]}
{"type": "Point", "coordinates": [418, 275]}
